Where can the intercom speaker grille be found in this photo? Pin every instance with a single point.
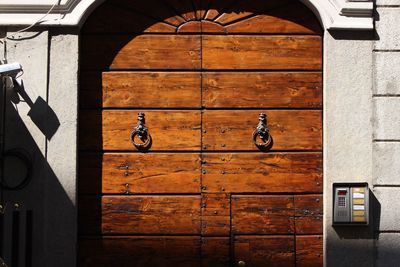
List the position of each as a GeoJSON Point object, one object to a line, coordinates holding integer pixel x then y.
{"type": "Point", "coordinates": [342, 213]}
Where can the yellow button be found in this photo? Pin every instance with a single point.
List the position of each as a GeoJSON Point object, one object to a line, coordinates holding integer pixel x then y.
{"type": "Point", "coordinates": [358, 213]}
{"type": "Point", "coordinates": [359, 189]}
{"type": "Point", "coordinates": [359, 219]}
{"type": "Point", "coordinates": [358, 201]}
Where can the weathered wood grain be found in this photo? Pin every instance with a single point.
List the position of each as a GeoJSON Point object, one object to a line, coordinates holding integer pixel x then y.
{"type": "Point", "coordinates": [261, 52]}
{"type": "Point", "coordinates": [149, 251]}
{"type": "Point", "coordinates": [290, 129]}
{"type": "Point", "coordinates": [124, 52]}
{"type": "Point", "coordinates": [262, 90]}
{"type": "Point", "coordinates": [184, 9]}
{"type": "Point", "coordinates": [255, 214]}
{"type": "Point", "coordinates": [260, 251]}
{"type": "Point", "coordinates": [215, 215]}
{"type": "Point", "coordinates": [111, 129]}
{"type": "Point", "coordinates": [157, 215]}
{"type": "Point", "coordinates": [309, 251]}
{"type": "Point", "coordinates": [151, 173]}
{"type": "Point", "coordinates": [308, 212]}
{"type": "Point", "coordinates": [262, 173]}
{"type": "Point", "coordinates": [203, 26]}
{"type": "Point", "coordinates": [152, 89]}
{"type": "Point", "coordinates": [292, 18]}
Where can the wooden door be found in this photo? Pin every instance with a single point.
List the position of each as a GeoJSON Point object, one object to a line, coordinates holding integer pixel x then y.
{"type": "Point", "coordinates": [202, 193]}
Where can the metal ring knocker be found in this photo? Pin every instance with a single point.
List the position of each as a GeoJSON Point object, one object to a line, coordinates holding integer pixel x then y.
{"type": "Point", "coordinates": [142, 132]}
{"type": "Point", "coordinates": [262, 132]}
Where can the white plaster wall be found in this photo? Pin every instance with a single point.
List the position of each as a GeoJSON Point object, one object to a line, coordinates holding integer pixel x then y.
{"type": "Point", "coordinates": [347, 140]}
{"type": "Point", "coordinates": [46, 126]}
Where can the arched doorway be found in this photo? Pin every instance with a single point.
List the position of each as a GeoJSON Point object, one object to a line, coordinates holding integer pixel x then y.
{"type": "Point", "coordinates": [202, 194]}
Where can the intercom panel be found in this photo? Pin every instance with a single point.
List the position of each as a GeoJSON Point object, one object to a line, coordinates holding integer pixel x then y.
{"type": "Point", "coordinates": [350, 204]}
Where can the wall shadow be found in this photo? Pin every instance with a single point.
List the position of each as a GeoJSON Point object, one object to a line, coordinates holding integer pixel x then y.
{"type": "Point", "coordinates": [37, 216]}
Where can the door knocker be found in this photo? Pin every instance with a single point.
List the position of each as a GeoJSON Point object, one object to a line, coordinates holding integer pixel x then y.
{"type": "Point", "coordinates": [142, 133]}
{"type": "Point", "coordinates": [262, 132]}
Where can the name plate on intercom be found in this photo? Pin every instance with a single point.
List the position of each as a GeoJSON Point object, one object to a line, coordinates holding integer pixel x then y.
{"type": "Point", "coordinates": [350, 204]}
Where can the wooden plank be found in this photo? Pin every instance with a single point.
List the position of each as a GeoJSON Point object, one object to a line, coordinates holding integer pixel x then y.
{"type": "Point", "coordinates": [266, 90]}
{"type": "Point", "coordinates": [184, 8]}
{"type": "Point", "coordinates": [309, 251]}
{"type": "Point", "coordinates": [151, 173]}
{"type": "Point", "coordinates": [203, 26]}
{"type": "Point", "coordinates": [308, 212]}
{"type": "Point", "coordinates": [146, 89]}
{"type": "Point", "coordinates": [215, 8]}
{"type": "Point", "coordinates": [90, 89]}
{"type": "Point", "coordinates": [164, 215]}
{"type": "Point", "coordinates": [111, 129]}
{"type": "Point", "coordinates": [244, 9]}
{"type": "Point", "coordinates": [118, 52]}
{"type": "Point", "coordinates": [290, 129]}
{"type": "Point", "coordinates": [149, 251]}
{"type": "Point", "coordinates": [255, 214]}
{"type": "Point", "coordinates": [293, 18]}
{"type": "Point", "coordinates": [201, 7]}
{"type": "Point", "coordinates": [215, 215]}
{"type": "Point", "coordinates": [260, 251]}
{"type": "Point", "coordinates": [262, 173]}
{"type": "Point", "coordinates": [215, 251]}
{"type": "Point", "coordinates": [109, 18]}
{"type": "Point", "coordinates": [262, 52]}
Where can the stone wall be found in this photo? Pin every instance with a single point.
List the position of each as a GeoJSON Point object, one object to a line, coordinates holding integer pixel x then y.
{"type": "Point", "coordinates": [386, 138]}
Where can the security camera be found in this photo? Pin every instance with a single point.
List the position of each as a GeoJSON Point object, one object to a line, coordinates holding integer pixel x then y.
{"type": "Point", "coordinates": [11, 69]}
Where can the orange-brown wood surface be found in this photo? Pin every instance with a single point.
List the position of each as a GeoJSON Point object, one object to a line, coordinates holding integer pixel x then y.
{"type": "Point", "coordinates": [293, 18]}
{"type": "Point", "coordinates": [261, 52]}
{"type": "Point", "coordinates": [152, 89]}
{"type": "Point", "coordinates": [167, 52]}
{"type": "Point", "coordinates": [262, 173]}
{"type": "Point", "coordinates": [202, 194]}
{"type": "Point", "coordinates": [290, 129]}
{"type": "Point", "coordinates": [308, 212]}
{"type": "Point", "coordinates": [170, 130]}
{"type": "Point", "coordinates": [216, 215]}
{"type": "Point", "coordinates": [126, 173]}
{"type": "Point", "coordinates": [309, 251]}
{"type": "Point", "coordinates": [261, 251]}
{"type": "Point", "coordinates": [262, 90]}
{"type": "Point", "coordinates": [203, 26]}
{"type": "Point", "coordinates": [159, 215]}
{"type": "Point", "coordinates": [252, 214]}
